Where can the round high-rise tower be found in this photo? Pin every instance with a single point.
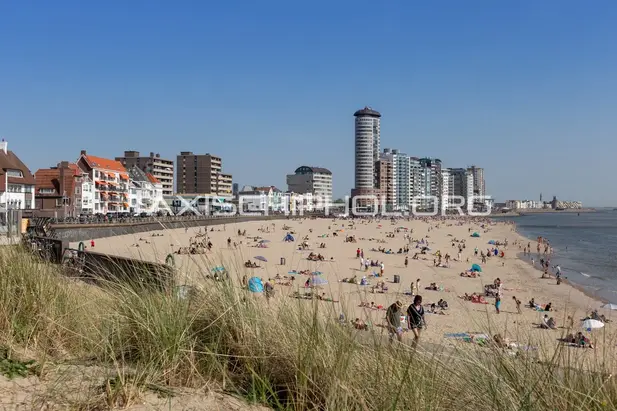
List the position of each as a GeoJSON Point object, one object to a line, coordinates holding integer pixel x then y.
{"type": "Point", "coordinates": [367, 138]}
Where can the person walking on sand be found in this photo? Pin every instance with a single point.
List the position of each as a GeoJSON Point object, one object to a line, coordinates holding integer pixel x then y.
{"type": "Point", "coordinates": [393, 317]}
{"type": "Point", "coordinates": [361, 263]}
{"type": "Point", "coordinates": [382, 267]}
{"type": "Point", "coordinates": [417, 286]}
{"type": "Point", "coordinates": [498, 297]}
{"type": "Point", "coordinates": [415, 318]}
{"type": "Point", "coordinates": [406, 261]}
{"type": "Point", "coordinates": [518, 304]}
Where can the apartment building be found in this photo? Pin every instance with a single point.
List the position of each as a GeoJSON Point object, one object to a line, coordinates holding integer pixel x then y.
{"type": "Point", "coordinates": [60, 189]}
{"type": "Point", "coordinates": [202, 174]}
{"type": "Point", "coordinates": [367, 142]}
{"type": "Point", "coordinates": [262, 199]}
{"type": "Point", "coordinates": [145, 192]}
{"type": "Point", "coordinates": [110, 183]}
{"type": "Point", "coordinates": [385, 180]}
{"type": "Point", "coordinates": [316, 181]}
{"type": "Point", "coordinates": [17, 184]}
{"type": "Point", "coordinates": [457, 182]}
{"type": "Point", "coordinates": [160, 168]}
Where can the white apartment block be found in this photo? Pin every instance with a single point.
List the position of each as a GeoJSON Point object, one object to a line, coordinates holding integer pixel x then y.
{"type": "Point", "coordinates": [146, 192]}
{"type": "Point", "coordinates": [84, 196]}
{"type": "Point", "coordinates": [110, 183]}
{"type": "Point", "coordinates": [316, 181]}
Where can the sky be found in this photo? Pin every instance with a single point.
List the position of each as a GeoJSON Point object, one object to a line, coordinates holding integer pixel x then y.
{"type": "Point", "coordinates": [525, 89]}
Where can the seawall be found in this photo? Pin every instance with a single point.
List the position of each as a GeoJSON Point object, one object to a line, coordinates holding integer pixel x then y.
{"type": "Point", "coordinates": [86, 232]}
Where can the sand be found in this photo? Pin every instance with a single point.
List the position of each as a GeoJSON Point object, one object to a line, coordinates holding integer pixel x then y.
{"type": "Point", "coordinates": [519, 278]}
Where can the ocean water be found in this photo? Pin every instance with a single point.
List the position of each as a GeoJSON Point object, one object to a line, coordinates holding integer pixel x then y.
{"type": "Point", "coordinates": [585, 247]}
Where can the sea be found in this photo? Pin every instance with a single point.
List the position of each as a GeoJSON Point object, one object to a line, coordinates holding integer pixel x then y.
{"type": "Point", "coordinates": [585, 247]}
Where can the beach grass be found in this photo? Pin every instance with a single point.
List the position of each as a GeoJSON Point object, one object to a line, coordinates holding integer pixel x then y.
{"type": "Point", "coordinates": [123, 342]}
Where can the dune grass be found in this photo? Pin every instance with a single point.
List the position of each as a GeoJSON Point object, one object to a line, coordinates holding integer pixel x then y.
{"type": "Point", "coordinates": [288, 355]}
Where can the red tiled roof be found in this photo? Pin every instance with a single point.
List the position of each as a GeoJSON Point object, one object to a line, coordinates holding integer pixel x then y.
{"type": "Point", "coordinates": [78, 171]}
{"type": "Point", "coordinates": [10, 161]}
{"type": "Point", "coordinates": [152, 179]}
{"type": "Point", "coordinates": [51, 178]}
{"type": "Point", "coordinates": [47, 178]}
{"type": "Point", "coordinates": [104, 163]}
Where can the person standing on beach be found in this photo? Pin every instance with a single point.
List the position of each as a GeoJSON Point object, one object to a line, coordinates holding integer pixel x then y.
{"type": "Point", "coordinates": [393, 317]}
{"type": "Point", "coordinates": [498, 297]}
{"type": "Point", "coordinates": [361, 263]}
{"type": "Point", "coordinates": [406, 261]}
{"type": "Point", "coordinates": [518, 304]}
{"type": "Point", "coordinates": [415, 318]}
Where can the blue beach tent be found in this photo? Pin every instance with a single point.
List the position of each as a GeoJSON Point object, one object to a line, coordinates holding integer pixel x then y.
{"type": "Point", "coordinates": [255, 285]}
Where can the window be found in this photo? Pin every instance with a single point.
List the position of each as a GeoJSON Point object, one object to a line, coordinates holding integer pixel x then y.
{"type": "Point", "coordinates": [47, 191]}
{"type": "Point", "coordinates": [28, 189]}
{"type": "Point", "coordinates": [14, 173]}
{"type": "Point", "coordinates": [28, 204]}
{"type": "Point", "coordinates": [15, 188]}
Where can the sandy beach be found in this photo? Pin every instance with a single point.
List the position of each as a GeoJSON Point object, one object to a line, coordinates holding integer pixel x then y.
{"type": "Point", "coordinates": [519, 278]}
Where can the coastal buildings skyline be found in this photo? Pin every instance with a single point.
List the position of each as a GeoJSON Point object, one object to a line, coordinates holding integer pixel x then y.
{"type": "Point", "coordinates": [404, 181]}
{"type": "Point", "coordinates": [160, 168]}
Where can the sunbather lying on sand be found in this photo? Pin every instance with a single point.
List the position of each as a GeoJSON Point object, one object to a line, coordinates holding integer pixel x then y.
{"type": "Point", "coordinates": [358, 324]}
{"type": "Point", "coordinates": [578, 340]}
{"type": "Point", "coordinates": [474, 298]}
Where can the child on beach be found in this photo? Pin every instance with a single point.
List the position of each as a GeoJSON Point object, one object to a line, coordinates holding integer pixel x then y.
{"type": "Point", "coordinates": [518, 304]}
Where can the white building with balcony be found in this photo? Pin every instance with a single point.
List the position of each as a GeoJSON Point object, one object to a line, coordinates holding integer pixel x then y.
{"type": "Point", "coordinates": [110, 183]}
{"type": "Point", "coordinates": [145, 192]}
{"type": "Point", "coordinates": [262, 199]}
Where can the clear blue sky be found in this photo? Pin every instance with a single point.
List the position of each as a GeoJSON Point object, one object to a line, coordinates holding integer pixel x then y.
{"type": "Point", "coordinates": [526, 89]}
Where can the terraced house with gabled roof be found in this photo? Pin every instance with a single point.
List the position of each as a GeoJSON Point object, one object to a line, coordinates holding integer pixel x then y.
{"type": "Point", "coordinates": [58, 189]}
{"type": "Point", "coordinates": [16, 181]}
{"type": "Point", "coordinates": [111, 183]}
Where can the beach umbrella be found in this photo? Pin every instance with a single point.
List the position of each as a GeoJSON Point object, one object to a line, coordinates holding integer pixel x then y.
{"type": "Point", "coordinates": [264, 241]}
{"type": "Point", "coordinates": [491, 242]}
{"type": "Point", "coordinates": [610, 306]}
{"type": "Point", "coordinates": [260, 258]}
{"type": "Point", "coordinates": [218, 269]}
{"type": "Point", "coordinates": [475, 234]}
{"type": "Point", "coordinates": [592, 324]}
{"type": "Point", "coordinates": [476, 267]}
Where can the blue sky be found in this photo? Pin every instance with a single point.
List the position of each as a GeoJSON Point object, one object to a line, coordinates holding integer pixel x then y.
{"type": "Point", "coordinates": [526, 89]}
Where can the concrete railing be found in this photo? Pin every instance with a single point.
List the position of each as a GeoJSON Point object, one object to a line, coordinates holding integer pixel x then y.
{"type": "Point", "coordinates": [86, 232]}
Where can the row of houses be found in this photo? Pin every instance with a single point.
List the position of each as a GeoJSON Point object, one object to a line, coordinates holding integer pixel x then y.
{"type": "Point", "coordinates": [97, 185]}
{"type": "Point", "coordinates": [90, 185]}
{"type": "Point", "coordinates": [271, 199]}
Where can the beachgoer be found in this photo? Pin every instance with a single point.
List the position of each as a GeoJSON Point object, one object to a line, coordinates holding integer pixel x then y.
{"type": "Point", "coordinates": [415, 317]}
{"type": "Point", "coordinates": [393, 317]}
{"type": "Point", "coordinates": [518, 304]}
